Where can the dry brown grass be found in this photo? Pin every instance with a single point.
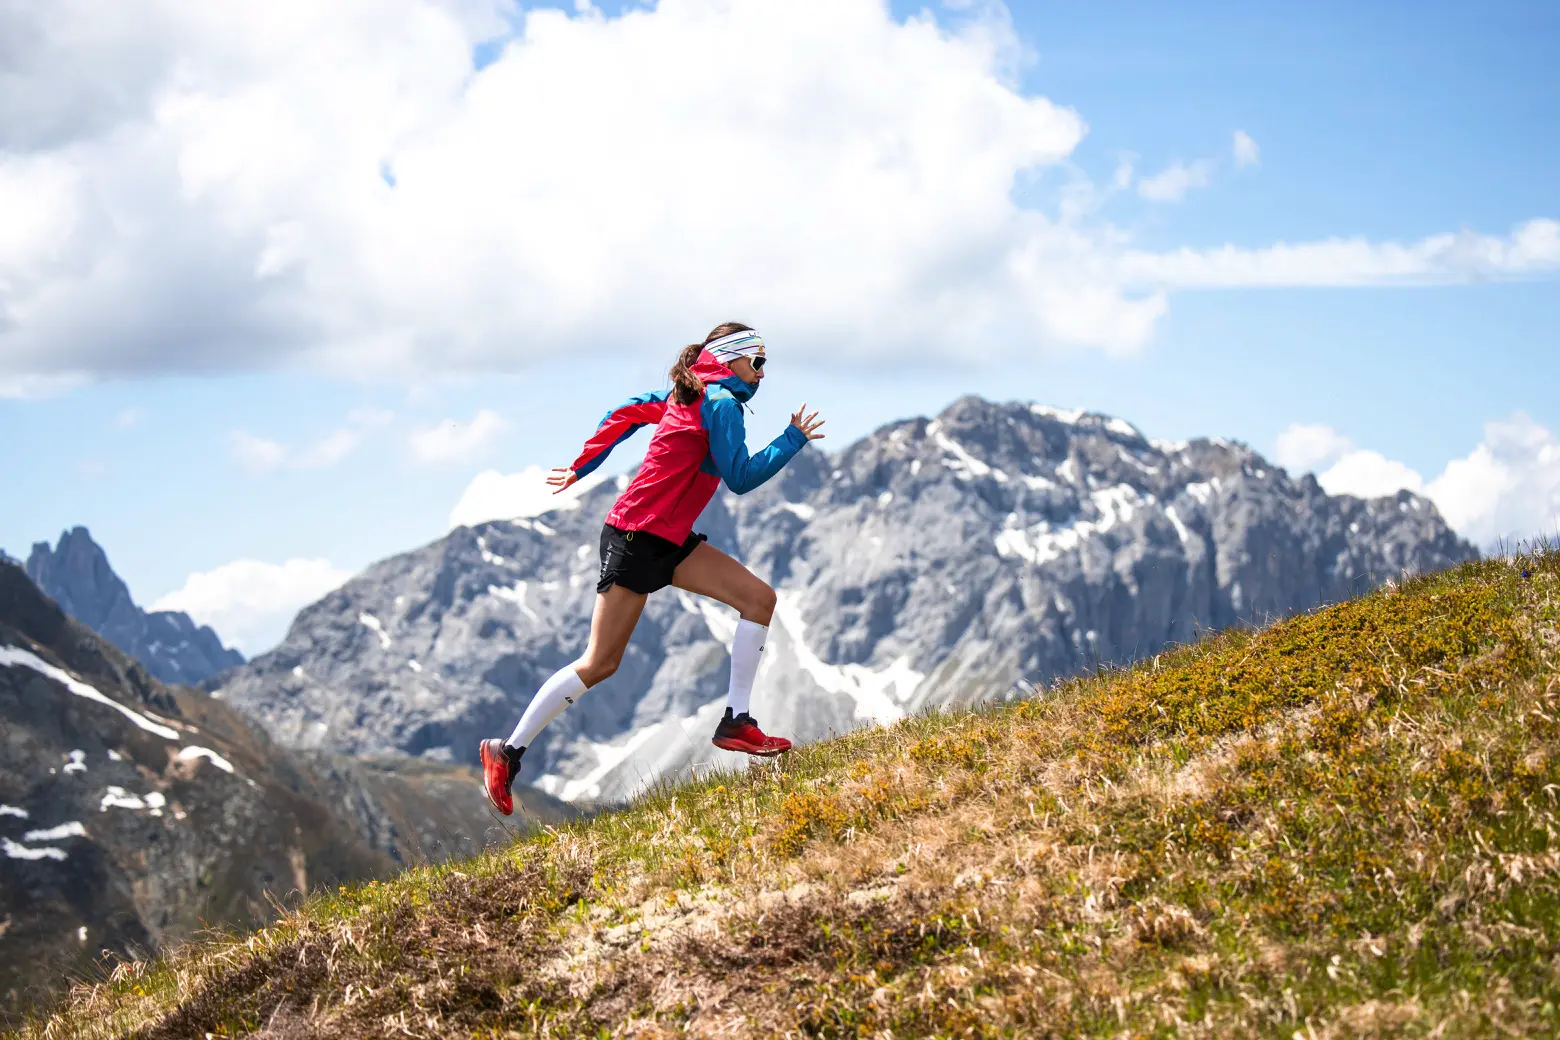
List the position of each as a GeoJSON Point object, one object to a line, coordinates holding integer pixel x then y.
{"type": "Point", "coordinates": [1342, 825]}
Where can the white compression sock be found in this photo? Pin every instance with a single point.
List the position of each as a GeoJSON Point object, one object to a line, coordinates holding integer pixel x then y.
{"type": "Point", "coordinates": [563, 689]}
{"type": "Point", "coordinates": [746, 647]}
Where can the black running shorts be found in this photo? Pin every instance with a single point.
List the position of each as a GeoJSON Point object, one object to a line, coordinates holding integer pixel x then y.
{"type": "Point", "coordinates": [640, 561]}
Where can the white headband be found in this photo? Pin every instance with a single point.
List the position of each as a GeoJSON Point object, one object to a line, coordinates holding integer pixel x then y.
{"type": "Point", "coordinates": [746, 343]}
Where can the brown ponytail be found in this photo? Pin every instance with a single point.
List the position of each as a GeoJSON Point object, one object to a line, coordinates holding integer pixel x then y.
{"type": "Point", "coordinates": [687, 387]}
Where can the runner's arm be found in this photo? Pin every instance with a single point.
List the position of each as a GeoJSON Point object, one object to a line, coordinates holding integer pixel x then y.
{"type": "Point", "coordinates": [728, 446]}
{"type": "Point", "coordinates": [617, 426]}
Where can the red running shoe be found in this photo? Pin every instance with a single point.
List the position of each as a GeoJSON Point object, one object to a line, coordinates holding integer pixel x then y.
{"type": "Point", "coordinates": [742, 734]}
{"type": "Point", "coordinates": [500, 766]}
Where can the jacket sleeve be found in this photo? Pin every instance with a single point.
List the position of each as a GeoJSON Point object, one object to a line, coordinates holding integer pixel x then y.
{"type": "Point", "coordinates": [619, 425]}
{"type": "Point", "coordinates": [728, 446]}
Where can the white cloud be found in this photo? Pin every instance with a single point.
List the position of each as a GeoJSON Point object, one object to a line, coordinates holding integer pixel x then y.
{"type": "Point", "coordinates": [129, 418]}
{"type": "Point", "coordinates": [1507, 488]}
{"type": "Point", "coordinates": [1122, 178]}
{"type": "Point", "coordinates": [257, 454]}
{"type": "Point", "coordinates": [492, 495]}
{"type": "Point", "coordinates": [1173, 182]}
{"type": "Point", "coordinates": [250, 603]}
{"type": "Point", "coordinates": [226, 185]}
{"type": "Point", "coordinates": [456, 441]}
{"type": "Point", "coordinates": [1531, 248]}
{"type": "Point", "coordinates": [329, 450]}
{"type": "Point", "coordinates": [1303, 447]}
{"type": "Point", "coordinates": [261, 455]}
{"type": "Point", "coordinates": [1342, 468]}
{"type": "Point", "coordinates": [1368, 474]}
{"type": "Point", "coordinates": [1245, 150]}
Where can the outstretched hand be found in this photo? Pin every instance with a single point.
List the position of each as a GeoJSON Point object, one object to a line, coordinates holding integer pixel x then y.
{"type": "Point", "coordinates": [808, 424]}
{"type": "Point", "coordinates": [561, 478]}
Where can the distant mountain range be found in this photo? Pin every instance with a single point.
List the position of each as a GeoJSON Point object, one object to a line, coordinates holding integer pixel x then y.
{"type": "Point", "coordinates": [935, 562]}
{"type": "Point", "coordinates": [76, 575]}
{"type": "Point", "coordinates": [133, 814]}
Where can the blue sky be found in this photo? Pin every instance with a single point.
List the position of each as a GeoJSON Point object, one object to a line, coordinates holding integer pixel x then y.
{"type": "Point", "coordinates": [1388, 122]}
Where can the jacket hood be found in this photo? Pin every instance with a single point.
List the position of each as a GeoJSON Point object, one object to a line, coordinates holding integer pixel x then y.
{"type": "Point", "coordinates": [711, 371]}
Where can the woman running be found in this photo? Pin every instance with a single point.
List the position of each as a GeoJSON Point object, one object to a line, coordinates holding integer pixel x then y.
{"type": "Point", "coordinates": [648, 542]}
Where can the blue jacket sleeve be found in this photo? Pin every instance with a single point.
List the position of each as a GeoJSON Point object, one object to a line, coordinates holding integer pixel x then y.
{"type": "Point", "coordinates": [728, 445]}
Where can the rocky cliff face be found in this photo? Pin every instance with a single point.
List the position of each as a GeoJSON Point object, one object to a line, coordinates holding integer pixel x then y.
{"type": "Point", "coordinates": [937, 561]}
{"type": "Point", "coordinates": [76, 575]}
{"type": "Point", "coordinates": [132, 814]}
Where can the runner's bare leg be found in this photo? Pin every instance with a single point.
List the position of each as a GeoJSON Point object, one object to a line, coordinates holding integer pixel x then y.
{"type": "Point", "coordinates": [611, 626]}
{"type": "Point", "coordinates": [709, 572]}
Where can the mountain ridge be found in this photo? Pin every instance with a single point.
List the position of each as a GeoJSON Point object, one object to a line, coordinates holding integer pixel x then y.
{"type": "Point", "coordinates": [936, 562]}
{"type": "Point", "coordinates": [134, 815]}
{"type": "Point", "coordinates": [77, 575]}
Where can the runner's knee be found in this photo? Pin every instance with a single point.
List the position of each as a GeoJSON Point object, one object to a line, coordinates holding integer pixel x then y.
{"type": "Point", "coordinates": [760, 607]}
{"type": "Point", "coordinates": [592, 672]}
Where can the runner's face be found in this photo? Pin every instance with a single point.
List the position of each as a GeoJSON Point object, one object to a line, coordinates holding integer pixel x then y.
{"type": "Point", "coordinates": [746, 372]}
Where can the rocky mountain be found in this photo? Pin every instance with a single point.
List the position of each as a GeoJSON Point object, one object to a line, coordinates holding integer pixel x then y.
{"type": "Point", "coordinates": [76, 575]}
{"type": "Point", "coordinates": [133, 814]}
{"type": "Point", "coordinates": [937, 561]}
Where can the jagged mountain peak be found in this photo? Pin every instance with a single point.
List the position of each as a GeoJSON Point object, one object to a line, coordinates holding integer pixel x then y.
{"type": "Point", "coordinates": [76, 574]}
{"type": "Point", "coordinates": [1016, 447]}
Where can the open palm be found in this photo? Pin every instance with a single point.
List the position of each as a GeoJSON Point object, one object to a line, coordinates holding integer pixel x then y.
{"type": "Point", "coordinates": [561, 478]}
{"type": "Point", "coordinates": [808, 424]}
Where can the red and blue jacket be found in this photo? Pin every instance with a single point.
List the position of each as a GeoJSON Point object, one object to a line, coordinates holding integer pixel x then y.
{"type": "Point", "coordinates": [694, 447]}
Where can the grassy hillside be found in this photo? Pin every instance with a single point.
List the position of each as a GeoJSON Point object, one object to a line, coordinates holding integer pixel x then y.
{"type": "Point", "coordinates": [1341, 825]}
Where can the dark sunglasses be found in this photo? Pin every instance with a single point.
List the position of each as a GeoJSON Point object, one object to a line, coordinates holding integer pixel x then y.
{"type": "Point", "coordinates": [757, 362]}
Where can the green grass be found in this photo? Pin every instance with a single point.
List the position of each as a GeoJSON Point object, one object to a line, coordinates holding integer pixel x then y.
{"type": "Point", "coordinates": [1341, 825]}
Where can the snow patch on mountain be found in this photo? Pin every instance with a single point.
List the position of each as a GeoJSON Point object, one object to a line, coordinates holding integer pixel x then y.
{"type": "Point", "coordinates": [514, 594]}
{"type": "Point", "coordinates": [374, 625]}
{"type": "Point", "coordinates": [195, 751]}
{"type": "Point", "coordinates": [718, 618]}
{"type": "Point", "coordinates": [1044, 541]}
{"type": "Point", "coordinates": [73, 829]}
{"type": "Point", "coordinates": [16, 657]}
{"type": "Point", "coordinates": [1061, 415]}
{"type": "Point", "coordinates": [963, 465]}
{"type": "Point", "coordinates": [118, 798]}
{"type": "Point", "coordinates": [16, 851]}
{"type": "Point", "coordinates": [878, 694]}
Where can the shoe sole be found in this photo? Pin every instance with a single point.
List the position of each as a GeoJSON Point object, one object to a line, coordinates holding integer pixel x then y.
{"type": "Point", "coordinates": [482, 753]}
{"type": "Point", "coordinates": [747, 749]}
